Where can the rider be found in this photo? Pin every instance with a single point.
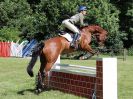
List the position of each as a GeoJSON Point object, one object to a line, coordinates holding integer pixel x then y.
{"type": "Point", "coordinates": [73, 21]}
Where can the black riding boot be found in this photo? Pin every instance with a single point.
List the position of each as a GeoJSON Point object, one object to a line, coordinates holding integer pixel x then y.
{"type": "Point", "coordinates": [73, 43]}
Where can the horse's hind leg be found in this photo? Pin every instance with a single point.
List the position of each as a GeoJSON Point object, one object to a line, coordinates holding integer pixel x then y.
{"type": "Point", "coordinates": [41, 76]}
{"type": "Point", "coordinates": [39, 84]}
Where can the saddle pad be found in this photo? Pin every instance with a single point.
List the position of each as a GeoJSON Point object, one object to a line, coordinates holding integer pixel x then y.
{"type": "Point", "coordinates": [67, 36]}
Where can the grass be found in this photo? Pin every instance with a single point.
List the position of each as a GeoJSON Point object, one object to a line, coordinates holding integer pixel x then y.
{"type": "Point", "coordinates": [16, 84]}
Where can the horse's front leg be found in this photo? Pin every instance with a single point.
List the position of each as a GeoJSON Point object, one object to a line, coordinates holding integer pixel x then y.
{"type": "Point", "coordinates": [89, 50]}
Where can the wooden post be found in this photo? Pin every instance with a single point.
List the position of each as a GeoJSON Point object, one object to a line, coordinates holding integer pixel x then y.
{"type": "Point", "coordinates": [124, 54]}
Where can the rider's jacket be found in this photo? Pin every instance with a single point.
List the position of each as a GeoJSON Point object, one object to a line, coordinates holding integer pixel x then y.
{"type": "Point", "coordinates": [77, 19]}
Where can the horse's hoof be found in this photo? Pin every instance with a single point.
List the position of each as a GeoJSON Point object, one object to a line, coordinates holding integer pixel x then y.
{"type": "Point", "coordinates": [38, 91]}
{"type": "Point", "coordinates": [83, 58]}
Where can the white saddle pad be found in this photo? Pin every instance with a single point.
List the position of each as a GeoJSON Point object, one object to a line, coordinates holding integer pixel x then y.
{"type": "Point", "coordinates": [67, 36]}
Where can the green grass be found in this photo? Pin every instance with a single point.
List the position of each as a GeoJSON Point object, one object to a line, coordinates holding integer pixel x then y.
{"type": "Point", "coordinates": [16, 84]}
{"type": "Point", "coordinates": [125, 78]}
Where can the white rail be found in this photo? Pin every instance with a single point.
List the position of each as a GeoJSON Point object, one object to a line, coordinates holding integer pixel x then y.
{"type": "Point", "coordinates": [75, 69]}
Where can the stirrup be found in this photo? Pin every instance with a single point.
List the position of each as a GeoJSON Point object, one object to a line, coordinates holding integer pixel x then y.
{"type": "Point", "coordinates": [73, 45]}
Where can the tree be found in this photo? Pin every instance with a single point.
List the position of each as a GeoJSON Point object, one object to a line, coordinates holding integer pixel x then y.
{"type": "Point", "coordinates": [47, 15]}
{"type": "Point", "coordinates": [15, 14]}
{"type": "Point", "coordinates": [106, 15]}
{"type": "Point", "coordinates": [126, 20]}
{"type": "Point", "coordinates": [9, 34]}
{"type": "Point", "coordinates": [55, 11]}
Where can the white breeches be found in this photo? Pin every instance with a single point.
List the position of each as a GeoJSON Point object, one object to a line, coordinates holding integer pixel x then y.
{"type": "Point", "coordinates": [70, 26]}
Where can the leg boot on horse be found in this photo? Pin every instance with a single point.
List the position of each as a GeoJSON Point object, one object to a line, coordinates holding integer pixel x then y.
{"type": "Point", "coordinates": [39, 82]}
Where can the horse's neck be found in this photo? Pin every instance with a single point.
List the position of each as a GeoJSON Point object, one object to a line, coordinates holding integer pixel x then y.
{"type": "Point", "coordinates": [92, 29]}
{"type": "Point", "coordinates": [87, 31]}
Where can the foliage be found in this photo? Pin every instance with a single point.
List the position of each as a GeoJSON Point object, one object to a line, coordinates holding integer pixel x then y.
{"type": "Point", "coordinates": [129, 23]}
{"type": "Point", "coordinates": [130, 51]}
{"type": "Point", "coordinates": [14, 13]}
{"type": "Point", "coordinates": [126, 17]}
{"type": "Point", "coordinates": [46, 16]}
{"type": "Point", "coordinates": [10, 34]}
{"type": "Point", "coordinates": [55, 12]}
{"type": "Point", "coordinates": [106, 15]}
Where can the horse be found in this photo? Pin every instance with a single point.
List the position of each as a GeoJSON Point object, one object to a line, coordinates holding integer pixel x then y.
{"type": "Point", "coordinates": [50, 49]}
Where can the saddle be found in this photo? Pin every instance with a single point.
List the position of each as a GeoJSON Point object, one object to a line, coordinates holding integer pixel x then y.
{"type": "Point", "coordinates": [68, 35]}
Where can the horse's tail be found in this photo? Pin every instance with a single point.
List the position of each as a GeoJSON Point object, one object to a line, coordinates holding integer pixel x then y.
{"type": "Point", "coordinates": [35, 54]}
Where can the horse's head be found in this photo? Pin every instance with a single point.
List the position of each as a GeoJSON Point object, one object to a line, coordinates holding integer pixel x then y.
{"type": "Point", "coordinates": [99, 33]}
{"type": "Point", "coordinates": [101, 37]}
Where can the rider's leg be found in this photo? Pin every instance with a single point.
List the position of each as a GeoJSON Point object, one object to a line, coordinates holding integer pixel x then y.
{"type": "Point", "coordinates": [74, 29]}
{"type": "Point", "coordinates": [75, 38]}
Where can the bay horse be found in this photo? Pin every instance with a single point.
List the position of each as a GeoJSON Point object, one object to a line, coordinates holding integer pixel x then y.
{"type": "Point", "coordinates": [50, 49]}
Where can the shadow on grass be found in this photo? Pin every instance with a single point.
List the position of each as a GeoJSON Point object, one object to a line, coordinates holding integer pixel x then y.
{"type": "Point", "coordinates": [32, 91]}
{"type": "Point", "coordinates": [26, 90]}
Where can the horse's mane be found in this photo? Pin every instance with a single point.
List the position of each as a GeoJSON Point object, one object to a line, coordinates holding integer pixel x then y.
{"type": "Point", "coordinates": [95, 28]}
{"type": "Point", "coordinates": [92, 26]}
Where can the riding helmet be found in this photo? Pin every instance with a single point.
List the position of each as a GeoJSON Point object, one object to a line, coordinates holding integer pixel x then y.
{"type": "Point", "coordinates": [82, 8]}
